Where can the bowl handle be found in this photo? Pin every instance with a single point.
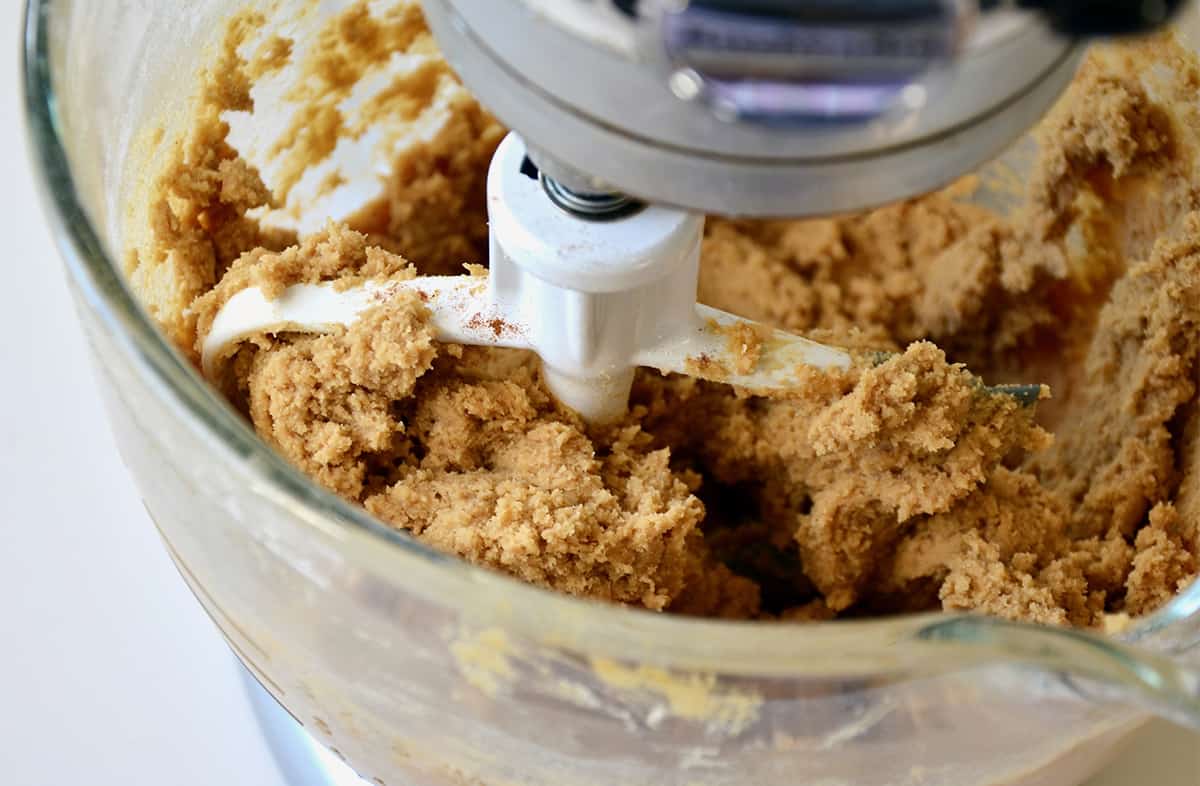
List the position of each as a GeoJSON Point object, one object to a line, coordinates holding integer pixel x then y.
{"type": "Point", "coordinates": [1097, 666]}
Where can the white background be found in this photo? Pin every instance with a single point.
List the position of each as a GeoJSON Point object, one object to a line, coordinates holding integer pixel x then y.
{"type": "Point", "coordinates": [110, 674]}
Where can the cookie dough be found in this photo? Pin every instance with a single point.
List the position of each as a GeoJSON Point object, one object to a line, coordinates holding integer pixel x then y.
{"type": "Point", "coordinates": [899, 487]}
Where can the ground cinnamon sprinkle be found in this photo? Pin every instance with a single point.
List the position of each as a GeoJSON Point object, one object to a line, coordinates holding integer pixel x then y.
{"type": "Point", "coordinates": [897, 487]}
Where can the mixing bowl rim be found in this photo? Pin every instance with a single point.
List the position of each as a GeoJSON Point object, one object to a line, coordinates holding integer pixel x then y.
{"type": "Point", "coordinates": [637, 634]}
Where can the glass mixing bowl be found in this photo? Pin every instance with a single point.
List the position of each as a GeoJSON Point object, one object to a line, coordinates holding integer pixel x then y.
{"type": "Point", "coordinates": [420, 669]}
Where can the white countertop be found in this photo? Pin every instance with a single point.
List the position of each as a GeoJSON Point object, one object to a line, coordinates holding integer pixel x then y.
{"type": "Point", "coordinates": [112, 674]}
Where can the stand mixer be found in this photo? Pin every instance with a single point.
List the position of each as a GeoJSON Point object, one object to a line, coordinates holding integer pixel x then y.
{"type": "Point", "coordinates": [633, 119]}
{"type": "Point", "coordinates": [360, 633]}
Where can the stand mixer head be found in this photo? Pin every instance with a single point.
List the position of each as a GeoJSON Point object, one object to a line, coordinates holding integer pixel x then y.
{"type": "Point", "coordinates": [770, 107]}
{"type": "Point", "coordinates": [763, 108]}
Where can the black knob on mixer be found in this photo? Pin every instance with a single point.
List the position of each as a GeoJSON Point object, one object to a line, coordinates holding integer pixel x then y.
{"type": "Point", "coordinates": [1105, 17]}
{"type": "Point", "coordinates": [1072, 17]}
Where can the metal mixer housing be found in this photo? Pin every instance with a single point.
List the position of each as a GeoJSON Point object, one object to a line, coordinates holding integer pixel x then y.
{"type": "Point", "coordinates": [758, 108]}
